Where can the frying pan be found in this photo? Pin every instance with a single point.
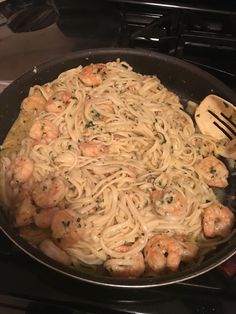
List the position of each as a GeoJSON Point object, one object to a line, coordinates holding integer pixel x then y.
{"type": "Point", "coordinates": [186, 80]}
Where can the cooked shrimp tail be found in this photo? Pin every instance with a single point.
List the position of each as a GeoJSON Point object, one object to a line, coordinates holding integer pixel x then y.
{"type": "Point", "coordinates": [53, 251]}
{"type": "Point", "coordinates": [128, 266]}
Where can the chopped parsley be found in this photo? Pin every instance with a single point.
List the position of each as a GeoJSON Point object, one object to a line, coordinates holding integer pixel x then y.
{"type": "Point", "coordinates": [161, 136]}
{"type": "Point", "coordinates": [66, 223]}
{"type": "Point", "coordinates": [164, 140]}
{"type": "Point", "coordinates": [78, 222]}
{"type": "Point", "coordinates": [89, 124]}
{"type": "Point", "coordinates": [212, 170]}
{"type": "Point", "coordinates": [169, 199]}
{"type": "Point", "coordinates": [38, 210]}
{"type": "Point", "coordinates": [96, 114]}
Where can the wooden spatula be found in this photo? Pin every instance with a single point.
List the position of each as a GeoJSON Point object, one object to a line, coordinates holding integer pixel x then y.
{"type": "Point", "coordinates": [216, 117]}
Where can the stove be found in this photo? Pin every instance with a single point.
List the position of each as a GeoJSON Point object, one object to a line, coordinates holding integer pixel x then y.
{"type": "Point", "coordinates": [35, 31]}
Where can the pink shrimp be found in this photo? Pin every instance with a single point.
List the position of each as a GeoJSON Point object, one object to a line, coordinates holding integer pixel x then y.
{"type": "Point", "coordinates": [43, 218]}
{"type": "Point", "coordinates": [24, 213]}
{"type": "Point", "coordinates": [213, 171]}
{"type": "Point", "coordinates": [91, 149]}
{"type": "Point", "coordinates": [218, 220]}
{"type": "Point", "coordinates": [58, 102]}
{"type": "Point", "coordinates": [93, 74]}
{"type": "Point", "coordinates": [189, 248]}
{"type": "Point", "coordinates": [43, 131]}
{"type": "Point", "coordinates": [65, 228]}
{"type": "Point", "coordinates": [19, 171]}
{"type": "Point", "coordinates": [33, 103]}
{"type": "Point", "coordinates": [169, 202]}
{"type": "Point", "coordinates": [127, 266]}
{"type": "Point", "coordinates": [163, 252]}
{"type": "Point", "coordinates": [49, 192]}
{"type": "Point", "coordinates": [33, 234]}
{"type": "Point", "coordinates": [53, 251]}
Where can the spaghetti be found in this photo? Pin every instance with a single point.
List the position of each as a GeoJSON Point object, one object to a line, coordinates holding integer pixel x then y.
{"type": "Point", "coordinates": [105, 171]}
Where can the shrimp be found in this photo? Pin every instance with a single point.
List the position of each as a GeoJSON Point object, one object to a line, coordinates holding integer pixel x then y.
{"type": "Point", "coordinates": [218, 220]}
{"type": "Point", "coordinates": [92, 75]}
{"type": "Point", "coordinates": [163, 252]}
{"type": "Point", "coordinates": [91, 149]}
{"type": "Point", "coordinates": [189, 248]}
{"type": "Point", "coordinates": [169, 202]}
{"type": "Point", "coordinates": [24, 213]}
{"type": "Point", "coordinates": [65, 228]}
{"type": "Point", "coordinates": [213, 171]}
{"type": "Point", "coordinates": [33, 103]}
{"type": "Point", "coordinates": [53, 251]}
{"type": "Point", "coordinates": [129, 266]}
{"type": "Point", "coordinates": [19, 171]}
{"type": "Point", "coordinates": [43, 131]}
{"type": "Point", "coordinates": [58, 102]}
{"type": "Point", "coordinates": [43, 218]}
{"type": "Point", "coordinates": [203, 146]}
{"type": "Point", "coordinates": [190, 251]}
{"type": "Point", "coordinates": [22, 191]}
{"type": "Point", "coordinates": [33, 234]}
{"type": "Point", "coordinates": [48, 193]}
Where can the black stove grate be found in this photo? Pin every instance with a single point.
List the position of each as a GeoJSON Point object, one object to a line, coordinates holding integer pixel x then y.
{"type": "Point", "coordinates": [206, 39]}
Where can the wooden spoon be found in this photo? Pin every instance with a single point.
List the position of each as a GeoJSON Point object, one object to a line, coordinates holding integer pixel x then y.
{"type": "Point", "coordinates": [205, 121]}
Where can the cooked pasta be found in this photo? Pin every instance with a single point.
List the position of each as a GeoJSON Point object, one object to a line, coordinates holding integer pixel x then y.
{"type": "Point", "coordinates": [108, 169]}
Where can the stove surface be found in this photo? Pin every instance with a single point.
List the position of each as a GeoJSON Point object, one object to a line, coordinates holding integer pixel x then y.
{"type": "Point", "coordinates": [34, 32]}
{"type": "Point", "coordinates": [30, 288]}
{"type": "Point", "coordinates": [195, 31]}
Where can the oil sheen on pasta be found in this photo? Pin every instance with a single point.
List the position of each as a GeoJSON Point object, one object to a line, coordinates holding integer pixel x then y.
{"type": "Point", "coordinates": [103, 168]}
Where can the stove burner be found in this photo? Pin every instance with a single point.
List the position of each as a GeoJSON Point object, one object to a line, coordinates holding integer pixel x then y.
{"type": "Point", "coordinates": [29, 15]}
{"type": "Point", "coordinates": [206, 40]}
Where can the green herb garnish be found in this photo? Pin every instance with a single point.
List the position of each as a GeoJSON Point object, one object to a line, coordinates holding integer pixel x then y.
{"type": "Point", "coordinates": [169, 199]}
{"type": "Point", "coordinates": [66, 223]}
{"type": "Point", "coordinates": [38, 210]}
{"type": "Point", "coordinates": [89, 124]}
{"type": "Point", "coordinates": [96, 114]}
{"type": "Point", "coordinates": [212, 170]}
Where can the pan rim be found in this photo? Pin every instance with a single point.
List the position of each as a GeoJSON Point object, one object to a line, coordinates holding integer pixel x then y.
{"type": "Point", "coordinates": [87, 53]}
{"type": "Point", "coordinates": [128, 283]}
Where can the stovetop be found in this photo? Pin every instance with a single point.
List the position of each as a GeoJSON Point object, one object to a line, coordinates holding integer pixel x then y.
{"type": "Point", "coordinates": [199, 32]}
{"type": "Point", "coordinates": [35, 31]}
{"type": "Point", "coordinates": [31, 288]}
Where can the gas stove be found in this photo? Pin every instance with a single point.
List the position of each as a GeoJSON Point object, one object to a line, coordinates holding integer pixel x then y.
{"type": "Point", "coordinates": [28, 287]}
{"type": "Point", "coordinates": [33, 32]}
